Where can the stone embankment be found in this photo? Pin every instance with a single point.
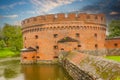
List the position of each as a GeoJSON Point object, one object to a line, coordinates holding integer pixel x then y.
{"type": "Point", "coordinates": [86, 67]}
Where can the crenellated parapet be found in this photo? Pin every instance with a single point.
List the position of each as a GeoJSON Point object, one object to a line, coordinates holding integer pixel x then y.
{"type": "Point", "coordinates": [61, 17]}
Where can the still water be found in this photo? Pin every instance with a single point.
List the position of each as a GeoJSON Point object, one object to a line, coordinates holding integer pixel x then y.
{"type": "Point", "coordinates": [13, 70]}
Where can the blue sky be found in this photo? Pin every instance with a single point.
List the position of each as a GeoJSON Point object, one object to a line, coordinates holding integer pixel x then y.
{"type": "Point", "coordinates": [14, 11]}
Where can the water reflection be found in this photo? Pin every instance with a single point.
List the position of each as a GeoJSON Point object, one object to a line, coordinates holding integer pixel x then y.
{"type": "Point", "coordinates": [44, 72]}
{"type": "Point", "coordinates": [12, 70]}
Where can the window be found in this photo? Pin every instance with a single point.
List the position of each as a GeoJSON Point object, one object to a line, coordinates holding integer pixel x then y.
{"type": "Point", "coordinates": [38, 57]}
{"type": "Point", "coordinates": [115, 44]}
{"type": "Point", "coordinates": [79, 45]}
{"type": "Point", "coordinates": [33, 57]}
{"type": "Point", "coordinates": [55, 47]}
{"type": "Point", "coordinates": [96, 46]}
{"type": "Point", "coordinates": [55, 57]}
{"type": "Point", "coordinates": [25, 57]}
{"type": "Point", "coordinates": [37, 47]}
{"type": "Point", "coordinates": [55, 35]}
{"type": "Point", "coordinates": [77, 35]}
{"type": "Point", "coordinates": [62, 49]}
{"type": "Point", "coordinates": [36, 36]}
{"type": "Point", "coordinates": [95, 35]}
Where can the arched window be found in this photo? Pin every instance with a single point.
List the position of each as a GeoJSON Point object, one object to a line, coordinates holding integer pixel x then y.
{"type": "Point", "coordinates": [96, 46]}
{"type": "Point", "coordinates": [36, 36]}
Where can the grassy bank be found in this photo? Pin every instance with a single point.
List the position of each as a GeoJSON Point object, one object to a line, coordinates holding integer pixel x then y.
{"type": "Point", "coordinates": [7, 53]}
{"type": "Point", "coordinates": [115, 58]}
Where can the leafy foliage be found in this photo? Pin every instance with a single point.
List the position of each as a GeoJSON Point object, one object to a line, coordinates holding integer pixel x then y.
{"type": "Point", "coordinates": [11, 37]}
{"type": "Point", "coordinates": [114, 28]}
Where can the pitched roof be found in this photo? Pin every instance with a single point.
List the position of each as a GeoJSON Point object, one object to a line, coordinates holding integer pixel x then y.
{"type": "Point", "coordinates": [67, 39]}
{"type": "Point", "coordinates": [28, 49]}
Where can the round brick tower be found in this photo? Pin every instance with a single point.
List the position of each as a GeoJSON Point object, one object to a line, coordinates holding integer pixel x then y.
{"type": "Point", "coordinates": [49, 34]}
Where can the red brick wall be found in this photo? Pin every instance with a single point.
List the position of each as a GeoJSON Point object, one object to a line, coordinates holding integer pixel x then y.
{"type": "Point", "coordinates": [112, 43]}
{"type": "Point", "coordinates": [86, 25]}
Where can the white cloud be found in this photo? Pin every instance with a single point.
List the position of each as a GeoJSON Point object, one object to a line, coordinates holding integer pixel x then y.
{"type": "Point", "coordinates": [9, 16]}
{"type": "Point", "coordinates": [114, 13]}
{"type": "Point", "coordinates": [11, 5]}
{"type": "Point", "coordinates": [17, 23]}
{"type": "Point", "coordinates": [44, 6]}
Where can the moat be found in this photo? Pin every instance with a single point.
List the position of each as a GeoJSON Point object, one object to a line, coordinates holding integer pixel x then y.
{"type": "Point", "coordinates": [13, 70]}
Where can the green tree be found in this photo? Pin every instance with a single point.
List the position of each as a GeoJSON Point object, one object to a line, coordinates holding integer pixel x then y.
{"type": "Point", "coordinates": [2, 44]}
{"type": "Point", "coordinates": [114, 28]}
{"type": "Point", "coordinates": [12, 36]}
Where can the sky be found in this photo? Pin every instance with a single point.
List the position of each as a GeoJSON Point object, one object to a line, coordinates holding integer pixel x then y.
{"type": "Point", "coordinates": [14, 11]}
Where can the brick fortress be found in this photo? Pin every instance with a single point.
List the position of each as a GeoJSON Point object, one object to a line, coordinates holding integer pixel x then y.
{"type": "Point", "coordinates": [45, 36]}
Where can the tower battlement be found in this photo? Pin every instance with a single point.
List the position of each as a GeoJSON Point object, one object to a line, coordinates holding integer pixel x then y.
{"type": "Point", "coordinates": [94, 18]}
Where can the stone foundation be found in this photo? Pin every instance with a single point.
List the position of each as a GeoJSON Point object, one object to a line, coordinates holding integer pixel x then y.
{"type": "Point", "coordinates": [86, 67]}
{"type": "Point", "coordinates": [113, 52]}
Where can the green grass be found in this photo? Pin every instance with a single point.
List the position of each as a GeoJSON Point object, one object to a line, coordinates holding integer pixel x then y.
{"type": "Point", "coordinates": [7, 53]}
{"type": "Point", "coordinates": [115, 58]}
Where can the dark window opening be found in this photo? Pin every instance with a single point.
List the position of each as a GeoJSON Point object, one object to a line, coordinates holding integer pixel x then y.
{"type": "Point", "coordinates": [38, 57]}
{"type": "Point", "coordinates": [115, 44]}
{"type": "Point", "coordinates": [95, 35]}
{"type": "Point", "coordinates": [96, 46]}
{"type": "Point", "coordinates": [25, 57]}
{"type": "Point", "coordinates": [36, 36]}
{"type": "Point", "coordinates": [55, 35]}
{"type": "Point", "coordinates": [55, 47]}
{"type": "Point", "coordinates": [55, 57]}
{"type": "Point", "coordinates": [77, 35]}
{"type": "Point", "coordinates": [79, 45]}
{"type": "Point", "coordinates": [62, 49]}
{"type": "Point", "coordinates": [37, 47]}
{"type": "Point", "coordinates": [33, 57]}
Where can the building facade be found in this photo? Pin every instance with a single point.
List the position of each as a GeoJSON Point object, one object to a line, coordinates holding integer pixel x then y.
{"type": "Point", "coordinates": [49, 34]}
